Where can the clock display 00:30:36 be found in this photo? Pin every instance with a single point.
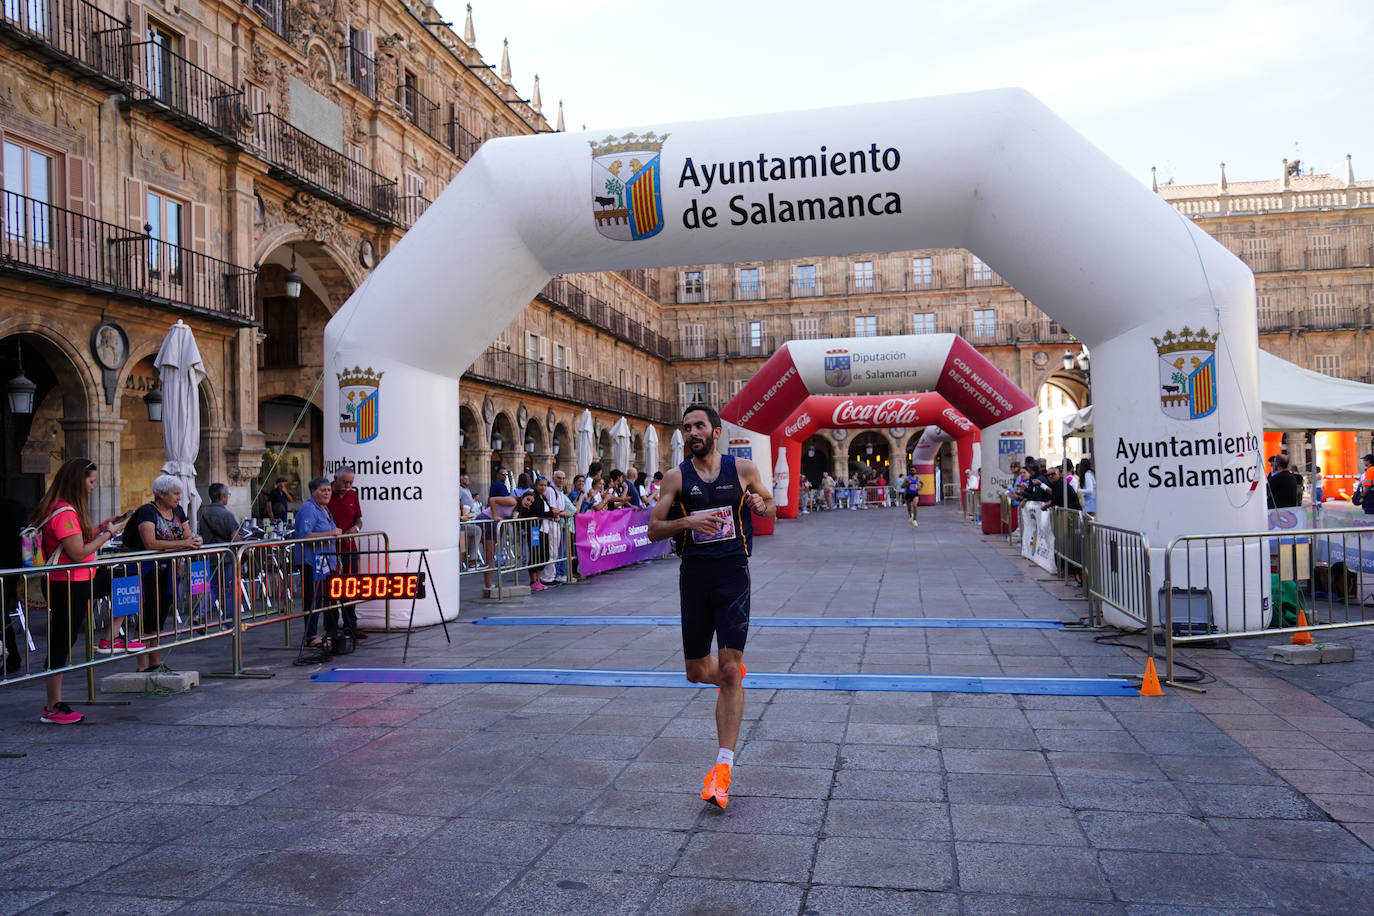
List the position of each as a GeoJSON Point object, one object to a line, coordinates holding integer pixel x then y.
{"type": "Point", "coordinates": [366, 586]}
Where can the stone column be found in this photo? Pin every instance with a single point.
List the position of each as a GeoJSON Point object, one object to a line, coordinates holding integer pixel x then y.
{"type": "Point", "coordinates": [98, 439]}
{"type": "Point", "coordinates": [543, 463]}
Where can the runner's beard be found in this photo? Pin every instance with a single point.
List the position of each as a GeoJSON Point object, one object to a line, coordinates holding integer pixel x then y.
{"type": "Point", "coordinates": [700, 448]}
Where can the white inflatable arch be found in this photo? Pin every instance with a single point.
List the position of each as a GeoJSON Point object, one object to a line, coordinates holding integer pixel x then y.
{"type": "Point", "coordinates": [1168, 312]}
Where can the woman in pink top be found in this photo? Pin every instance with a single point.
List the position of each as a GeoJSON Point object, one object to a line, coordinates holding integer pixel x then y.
{"type": "Point", "coordinates": [67, 530]}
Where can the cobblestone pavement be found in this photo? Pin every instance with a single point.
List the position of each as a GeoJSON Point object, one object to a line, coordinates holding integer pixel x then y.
{"type": "Point", "coordinates": [287, 795]}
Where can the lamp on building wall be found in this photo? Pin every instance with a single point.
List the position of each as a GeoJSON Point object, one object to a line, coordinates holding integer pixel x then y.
{"type": "Point", "coordinates": [1084, 361]}
{"type": "Point", "coordinates": [529, 443]}
{"type": "Point", "coordinates": [153, 402]}
{"type": "Point", "coordinates": [868, 449]}
{"type": "Point", "coordinates": [293, 279]}
{"type": "Point", "coordinates": [462, 439]}
{"type": "Point", "coordinates": [555, 450]}
{"type": "Point", "coordinates": [496, 442]}
{"type": "Point", "coordinates": [21, 389]}
{"type": "Point", "coordinates": [811, 451]}
{"type": "Point", "coordinates": [1068, 361]}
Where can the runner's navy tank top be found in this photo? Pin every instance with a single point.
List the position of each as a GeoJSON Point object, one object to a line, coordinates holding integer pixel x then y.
{"type": "Point", "coordinates": [723, 496]}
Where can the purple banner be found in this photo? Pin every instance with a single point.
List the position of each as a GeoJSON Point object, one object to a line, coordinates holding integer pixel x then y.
{"type": "Point", "coordinates": [613, 538]}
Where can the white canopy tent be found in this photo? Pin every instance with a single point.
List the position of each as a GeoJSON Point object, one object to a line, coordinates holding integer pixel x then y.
{"type": "Point", "coordinates": [1291, 398]}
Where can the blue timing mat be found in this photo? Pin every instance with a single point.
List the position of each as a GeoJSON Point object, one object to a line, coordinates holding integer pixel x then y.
{"type": "Point", "coordinates": [604, 677]}
{"type": "Point", "coordinates": [630, 620]}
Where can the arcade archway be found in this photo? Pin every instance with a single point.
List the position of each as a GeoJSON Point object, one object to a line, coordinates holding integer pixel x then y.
{"type": "Point", "coordinates": [981, 171]}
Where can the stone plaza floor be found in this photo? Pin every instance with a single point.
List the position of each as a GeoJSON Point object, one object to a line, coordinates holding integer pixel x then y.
{"type": "Point", "coordinates": [290, 795]}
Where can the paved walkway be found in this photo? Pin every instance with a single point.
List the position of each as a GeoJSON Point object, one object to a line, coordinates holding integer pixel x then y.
{"type": "Point", "coordinates": [288, 795]}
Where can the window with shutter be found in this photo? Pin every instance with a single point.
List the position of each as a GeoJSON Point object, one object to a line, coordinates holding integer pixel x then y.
{"type": "Point", "coordinates": [694, 341]}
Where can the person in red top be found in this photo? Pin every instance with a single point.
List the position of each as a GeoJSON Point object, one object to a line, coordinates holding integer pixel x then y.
{"type": "Point", "coordinates": [348, 515]}
{"type": "Point", "coordinates": [68, 538]}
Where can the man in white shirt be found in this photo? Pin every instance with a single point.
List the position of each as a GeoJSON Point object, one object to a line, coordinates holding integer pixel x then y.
{"type": "Point", "coordinates": [559, 505]}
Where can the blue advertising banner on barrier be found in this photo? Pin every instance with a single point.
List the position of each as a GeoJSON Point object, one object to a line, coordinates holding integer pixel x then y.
{"type": "Point", "coordinates": [200, 577]}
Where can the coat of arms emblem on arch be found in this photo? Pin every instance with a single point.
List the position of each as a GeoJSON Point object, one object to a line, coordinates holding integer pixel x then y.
{"type": "Point", "coordinates": [626, 202]}
{"type": "Point", "coordinates": [1187, 373]}
{"type": "Point", "coordinates": [360, 410]}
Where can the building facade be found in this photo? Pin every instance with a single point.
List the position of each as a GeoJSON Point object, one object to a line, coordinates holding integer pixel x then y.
{"type": "Point", "coordinates": [166, 162]}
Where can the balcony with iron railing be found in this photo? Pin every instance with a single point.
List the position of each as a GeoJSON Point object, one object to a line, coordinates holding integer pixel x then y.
{"type": "Point", "coordinates": [690, 292]}
{"type": "Point", "coordinates": [276, 15]}
{"type": "Point", "coordinates": [502, 367]}
{"type": "Point", "coordinates": [411, 208]}
{"type": "Point", "coordinates": [178, 89]}
{"type": "Point", "coordinates": [304, 162]}
{"type": "Point", "coordinates": [806, 287]}
{"type": "Point", "coordinates": [696, 348]}
{"type": "Point", "coordinates": [1332, 318]}
{"type": "Point", "coordinates": [422, 111]}
{"type": "Point", "coordinates": [643, 279]}
{"type": "Point", "coordinates": [59, 246]}
{"type": "Point", "coordinates": [577, 302]}
{"type": "Point", "coordinates": [461, 141]}
{"type": "Point", "coordinates": [362, 71]}
{"type": "Point", "coordinates": [1324, 258]}
{"type": "Point", "coordinates": [988, 333]}
{"type": "Point", "coordinates": [1273, 321]}
{"type": "Point", "coordinates": [73, 34]}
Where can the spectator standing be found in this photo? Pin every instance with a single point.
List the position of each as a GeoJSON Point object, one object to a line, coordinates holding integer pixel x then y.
{"type": "Point", "coordinates": [1367, 481]}
{"type": "Point", "coordinates": [655, 489]}
{"type": "Point", "coordinates": [317, 560]}
{"type": "Point", "coordinates": [1285, 489]}
{"type": "Point", "coordinates": [579, 486]}
{"type": "Point", "coordinates": [1061, 494]}
{"type": "Point", "coordinates": [279, 500]}
{"type": "Point", "coordinates": [68, 537]}
{"type": "Point", "coordinates": [632, 494]}
{"type": "Point", "coordinates": [617, 496]}
{"type": "Point", "coordinates": [159, 525]}
{"type": "Point", "coordinates": [595, 497]}
{"type": "Point", "coordinates": [466, 502]}
{"type": "Point", "coordinates": [219, 526]}
{"type": "Point", "coordinates": [12, 523]}
{"type": "Point", "coordinates": [1087, 485]}
{"type": "Point", "coordinates": [348, 516]}
{"type": "Point", "coordinates": [1318, 492]}
{"type": "Point", "coordinates": [561, 509]}
{"type": "Point", "coordinates": [827, 490]}
{"type": "Point", "coordinates": [534, 549]}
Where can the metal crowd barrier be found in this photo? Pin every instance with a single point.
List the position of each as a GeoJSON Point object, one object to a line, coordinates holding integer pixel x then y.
{"type": "Point", "coordinates": [1213, 584]}
{"type": "Point", "coordinates": [526, 544]}
{"type": "Point", "coordinates": [159, 600]}
{"type": "Point", "coordinates": [1007, 510]}
{"type": "Point", "coordinates": [972, 510]}
{"type": "Point", "coordinates": [1071, 543]}
{"type": "Point", "coordinates": [132, 603]}
{"type": "Point", "coordinates": [1117, 573]}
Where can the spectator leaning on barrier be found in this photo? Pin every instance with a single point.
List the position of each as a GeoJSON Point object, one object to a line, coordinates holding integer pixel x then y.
{"type": "Point", "coordinates": [534, 547]}
{"type": "Point", "coordinates": [616, 495]}
{"type": "Point", "coordinates": [632, 494]}
{"type": "Point", "coordinates": [158, 525]}
{"type": "Point", "coordinates": [348, 515]}
{"type": "Point", "coordinates": [595, 497]}
{"type": "Point", "coordinates": [1061, 494]}
{"type": "Point", "coordinates": [68, 538]}
{"type": "Point", "coordinates": [579, 486]}
{"type": "Point", "coordinates": [318, 560]}
{"type": "Point", "coordinates": [500, 505]}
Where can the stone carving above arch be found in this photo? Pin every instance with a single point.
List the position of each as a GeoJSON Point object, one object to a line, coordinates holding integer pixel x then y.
{"type": "Point", "coordinates": [322, 222]}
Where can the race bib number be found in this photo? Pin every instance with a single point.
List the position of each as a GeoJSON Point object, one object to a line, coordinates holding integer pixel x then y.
{"type": "Point", "coordinates": [727, 520]}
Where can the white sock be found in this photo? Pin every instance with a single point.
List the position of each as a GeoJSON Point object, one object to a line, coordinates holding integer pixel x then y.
{"type": "Point", "coordinates": [726, 756]}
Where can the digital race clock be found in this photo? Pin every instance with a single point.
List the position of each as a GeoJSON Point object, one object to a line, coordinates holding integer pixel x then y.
{"type": "Point", "coordinates": [367, 586]}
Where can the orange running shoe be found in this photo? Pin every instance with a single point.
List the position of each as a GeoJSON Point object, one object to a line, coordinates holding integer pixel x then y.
{"type": "Point", "coordinates": [743, 673]}
{"type": "Point", "coordinates": [715, 787]}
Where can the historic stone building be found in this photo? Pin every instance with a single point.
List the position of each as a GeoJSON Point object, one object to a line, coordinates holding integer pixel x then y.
{"type": "Point", "coordinates": [242, 166]}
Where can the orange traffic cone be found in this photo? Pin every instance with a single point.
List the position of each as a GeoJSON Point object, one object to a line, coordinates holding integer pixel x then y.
{"type": "Point", "coordinates": [1149, 685]}
{"type": "Point", "coordinates": [1302, 638]}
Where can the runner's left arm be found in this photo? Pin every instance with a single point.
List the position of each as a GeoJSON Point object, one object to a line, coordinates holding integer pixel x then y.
{"type": "Point", "coordinates": [759, 500]}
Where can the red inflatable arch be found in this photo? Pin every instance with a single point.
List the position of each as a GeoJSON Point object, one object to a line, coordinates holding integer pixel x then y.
{"type": "Point", "coordinates": [943, 363]}
{"type": "Point", "coordinates": [868, 412]}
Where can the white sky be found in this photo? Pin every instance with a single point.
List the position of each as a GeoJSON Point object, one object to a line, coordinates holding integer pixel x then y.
{"type": "Point", "coordinates": [1176, 84]}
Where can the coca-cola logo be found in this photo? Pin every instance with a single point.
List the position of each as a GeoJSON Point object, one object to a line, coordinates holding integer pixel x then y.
{"type": "Point", "coordinates": [957, 419]}
{"type": "Point", "coordinates": [888, 412]}
{"type": "Point", "coordinates": [791, 429]}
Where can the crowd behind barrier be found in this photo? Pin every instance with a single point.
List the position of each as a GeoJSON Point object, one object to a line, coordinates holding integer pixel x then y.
{"type": "Point", "coordinates": [151, 601]}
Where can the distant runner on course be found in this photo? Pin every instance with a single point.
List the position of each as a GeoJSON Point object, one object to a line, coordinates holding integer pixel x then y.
{"type": "Point", "coordinates": [707, 507]}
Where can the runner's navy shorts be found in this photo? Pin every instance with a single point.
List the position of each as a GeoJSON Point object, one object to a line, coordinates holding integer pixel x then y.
{"type": "Point", "coordinates": [715, 602]}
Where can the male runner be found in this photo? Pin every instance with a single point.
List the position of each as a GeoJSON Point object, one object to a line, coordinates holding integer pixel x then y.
{"type": "Point", "coordinates": [707, 506]}
{"type": "Point", "coordinates": [911, 492]}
